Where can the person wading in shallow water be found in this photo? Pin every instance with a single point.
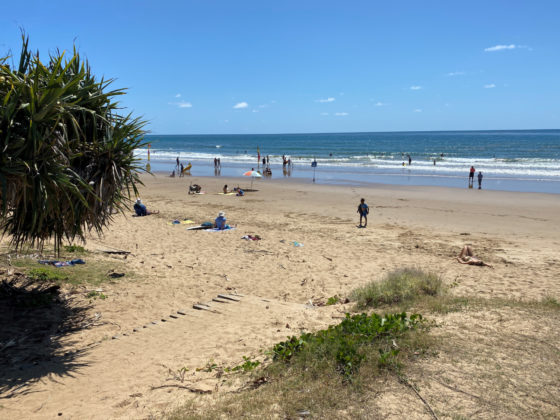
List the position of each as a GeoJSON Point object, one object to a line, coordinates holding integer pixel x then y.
{"type": "Point", "coordinates": [471, 176]}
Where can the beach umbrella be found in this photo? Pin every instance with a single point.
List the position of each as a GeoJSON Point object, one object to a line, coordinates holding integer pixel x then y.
{"type": "Point", "coordinates": [253, 175]}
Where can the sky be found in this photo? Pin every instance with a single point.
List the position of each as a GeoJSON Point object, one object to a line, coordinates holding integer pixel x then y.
{"type": "Point", "coordinates": [236, 67]}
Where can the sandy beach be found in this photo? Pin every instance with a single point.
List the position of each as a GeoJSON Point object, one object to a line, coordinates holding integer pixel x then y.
{"type": "Point", "coordinates": [278, 285]}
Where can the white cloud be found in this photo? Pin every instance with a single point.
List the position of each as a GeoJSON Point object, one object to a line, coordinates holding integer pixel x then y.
{"type": "Point", "coordinates": [331, 99]}
{"type": "Point", "coordinates": [341, 114]}
{"type": "Point", "coordinates": [456, 73]}
{"type": "Point", "coordinates": [380, 104]}
{"type": "Point", "coordinates": [500, 48]}
{"type": "Point", "coordinates": [255, 110]}
{"type": "Point", "coordinates": [417, 110]}
{"type": "Point", "coordinates": [324, 113]}
{"type": "Point", "coordinates": [489, 86]}
{"type": "Point", "coordinates": [181, 104]}
{"type": "Point", "coordinates": [415, 87]}
{"type": "Point", "coordinates": [178, 95]}
{"type": "Point", "coordinates": [241, 105]}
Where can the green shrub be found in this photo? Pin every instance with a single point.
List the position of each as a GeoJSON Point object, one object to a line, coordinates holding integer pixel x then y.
{"type": "Point", "coordinates": [333, 300]}
{"type": "Point", "coordinates": [397, 286]}
{"type": "Point", "coordinates": [46, 275]}
{"type": "Point", "coordinates": [349, 343]}
{"type": "Point", "coordinates": [74, 248]}
{"type": "Point", "coordinates": [67, 158]}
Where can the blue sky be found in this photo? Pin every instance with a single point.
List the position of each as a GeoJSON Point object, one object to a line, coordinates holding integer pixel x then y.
{"type": "Point", "coordinates": [312, 66]}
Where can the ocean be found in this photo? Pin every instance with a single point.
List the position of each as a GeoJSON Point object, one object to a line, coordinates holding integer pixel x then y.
{"type": "Point", "coordinates": [517, 160]}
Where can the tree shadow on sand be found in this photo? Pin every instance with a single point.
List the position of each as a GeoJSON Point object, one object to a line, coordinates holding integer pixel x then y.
{"type": "Point", "coordinates": [35, 322]}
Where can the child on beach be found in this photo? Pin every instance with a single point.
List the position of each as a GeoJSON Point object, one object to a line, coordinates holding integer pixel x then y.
{"type": "Point", "coordinates": [363, 209]}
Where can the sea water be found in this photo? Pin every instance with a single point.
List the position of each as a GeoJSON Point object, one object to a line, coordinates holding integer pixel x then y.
{"type": "Point", "coordinates": [517, 160]}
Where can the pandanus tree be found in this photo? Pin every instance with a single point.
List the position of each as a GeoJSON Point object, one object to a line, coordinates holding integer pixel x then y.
{"type": "Point", "coordinates": [67, 162]}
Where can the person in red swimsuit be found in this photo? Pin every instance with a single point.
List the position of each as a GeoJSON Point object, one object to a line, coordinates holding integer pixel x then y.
{"type": "Point", "coordinates": [471, 176]}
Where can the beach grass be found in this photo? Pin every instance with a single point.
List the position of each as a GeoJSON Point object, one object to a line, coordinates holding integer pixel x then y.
{"type": "Point", "coordinates": [94, 272]}
{"type": "Point", "coordinates": [400, 286]}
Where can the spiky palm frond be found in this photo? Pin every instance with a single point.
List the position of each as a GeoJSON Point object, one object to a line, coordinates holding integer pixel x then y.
{"type": "Point", "coordinates": [66, 153]}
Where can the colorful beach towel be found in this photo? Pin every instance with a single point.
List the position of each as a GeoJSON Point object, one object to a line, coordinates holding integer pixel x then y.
{"type": "Point", "coordinates": [220, 230]}
{"type": "Point", "coordinates": [180, 222]}
{"type": "Point", "coordinates": [62, 263]}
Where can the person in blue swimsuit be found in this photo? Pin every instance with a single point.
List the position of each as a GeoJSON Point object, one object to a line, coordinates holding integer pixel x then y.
{"type": "Point", "coordinates": [363, 209]}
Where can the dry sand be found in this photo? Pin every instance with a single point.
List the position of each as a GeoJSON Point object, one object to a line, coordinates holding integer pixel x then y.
{"type": "Point", "coordinates": [129, 377]}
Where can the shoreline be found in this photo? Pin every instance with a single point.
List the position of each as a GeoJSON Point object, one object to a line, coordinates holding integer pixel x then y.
{"type": "Point", "coordinates": [351, 177]}
{"type": "Point", "coordinates": [437, 207]}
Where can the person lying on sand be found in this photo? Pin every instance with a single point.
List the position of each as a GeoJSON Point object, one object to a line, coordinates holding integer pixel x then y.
{"type": "Point", "coordinates": [467, 257]}
{"type": "Point", "coordinates": [141, 210]}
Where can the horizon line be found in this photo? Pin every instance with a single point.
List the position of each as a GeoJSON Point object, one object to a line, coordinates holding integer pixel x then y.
{"type": "Point", "coordinates": [351, 132]}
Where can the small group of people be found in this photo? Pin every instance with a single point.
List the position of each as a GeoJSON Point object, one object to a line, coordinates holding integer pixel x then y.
{"type": "Point", "coordinates": [286, 161]}
{"type": "Point", "coordinates": [217, 163]}
{"type": "Point", "coordinates": [239, 192]}
{"type": "Point", "coordinates": [180, 169]}
{"type": "Point", "coordinates": [471, 178]}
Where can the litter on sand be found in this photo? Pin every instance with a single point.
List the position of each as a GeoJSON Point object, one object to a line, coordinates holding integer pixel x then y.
{"type": "Point", "coordinates": [251, 237]}
{"type": "Point", "coordinates": [296, 243]}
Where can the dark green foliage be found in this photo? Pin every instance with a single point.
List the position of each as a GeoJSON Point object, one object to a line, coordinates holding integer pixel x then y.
{"type": "Point", "coordinates": [46, 275]}
{"type": "Point", "coordinates": [67, 155]}
{"type": "Point", "coordinates": [74, 248]}
{"type": "Point", "coordinates": [349, 343]}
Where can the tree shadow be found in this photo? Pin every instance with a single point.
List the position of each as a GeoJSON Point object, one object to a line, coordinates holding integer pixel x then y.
{"type": "Point", "coordinates": [35, 322]}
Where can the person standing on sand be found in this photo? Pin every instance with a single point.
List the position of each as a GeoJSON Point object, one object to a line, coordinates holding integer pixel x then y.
{"type": "Point", "coordinates": [471, 176]}
{"type": "Point", "coordinates": [479, 180]}
{"type": "Point", "coordinates": [363, 209]}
